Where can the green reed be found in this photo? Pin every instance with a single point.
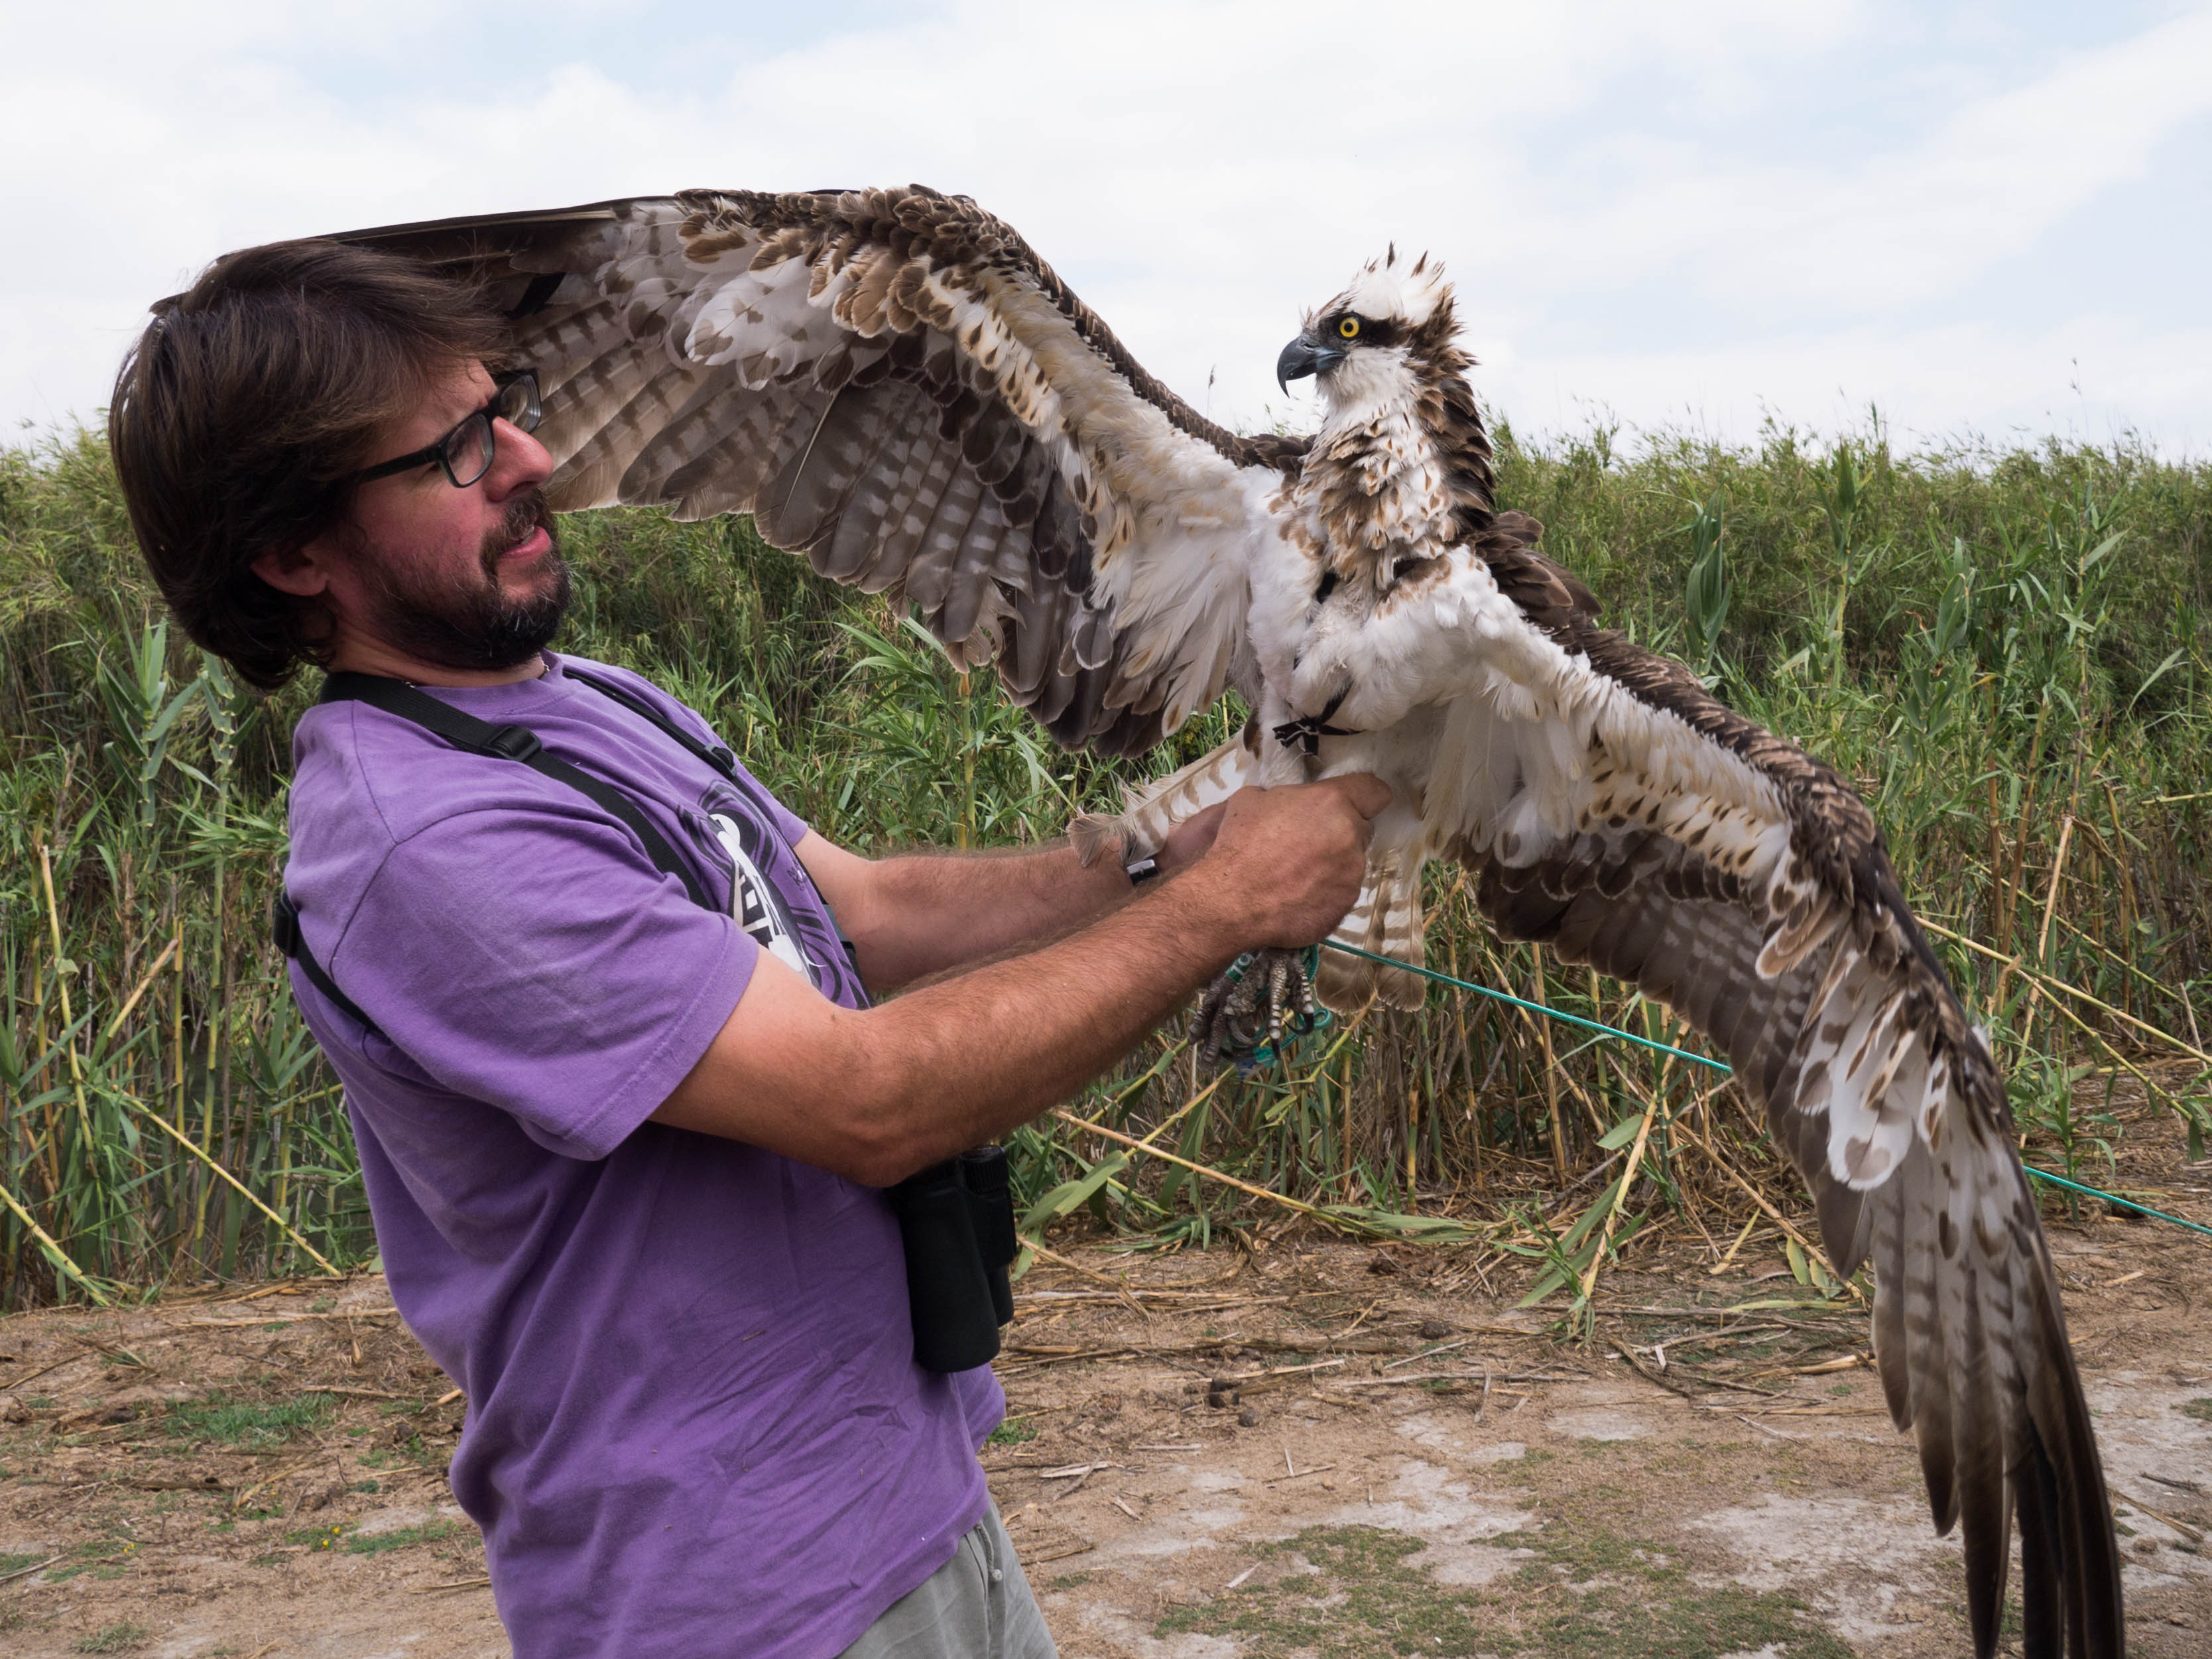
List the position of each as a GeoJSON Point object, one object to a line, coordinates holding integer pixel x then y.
{"type": "Point", "coordinates": [2008, 651]}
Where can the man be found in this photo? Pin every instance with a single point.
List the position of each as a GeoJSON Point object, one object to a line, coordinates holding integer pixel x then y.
{"type": "Point", "coordinates": [622, 1147]}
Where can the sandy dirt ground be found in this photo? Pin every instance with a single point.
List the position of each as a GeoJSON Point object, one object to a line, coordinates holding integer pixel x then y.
{"type": "Point", "coordinates": [1302, 1448]}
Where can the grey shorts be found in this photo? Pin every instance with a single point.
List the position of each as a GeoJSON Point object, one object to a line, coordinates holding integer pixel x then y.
{"type": "Point", "coordinates": [977, 1606]}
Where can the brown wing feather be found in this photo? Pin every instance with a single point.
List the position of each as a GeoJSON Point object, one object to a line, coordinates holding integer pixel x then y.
{"type": "Point", "coordinates": [1822, 992]}
{"type": "Point", "coordinates": [896, 385]}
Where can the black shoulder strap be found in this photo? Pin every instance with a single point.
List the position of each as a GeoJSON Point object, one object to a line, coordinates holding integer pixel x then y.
{"type": "Point", "coordinates": [713, 755]}
{"type": "Point", "coordinates": [478, 737]}
{"type": "Point", "coordinates": [284, 929]}
{"type": "Point", "coordinates": [722, 761]}
{"type": "Point", "coordinates": [514, 743]}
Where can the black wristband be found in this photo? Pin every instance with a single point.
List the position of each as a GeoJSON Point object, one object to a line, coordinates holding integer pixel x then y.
{"type": "Point", "coordinates": [1142, 871]}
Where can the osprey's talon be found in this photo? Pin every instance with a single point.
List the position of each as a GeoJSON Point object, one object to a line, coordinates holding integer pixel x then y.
{"type": "Point", "coordinates": [1263, 1002]}
{"type": "Point", "coordinates": [1205, 1022]}
{"type": "Point", "coordinates": [1279, 982]}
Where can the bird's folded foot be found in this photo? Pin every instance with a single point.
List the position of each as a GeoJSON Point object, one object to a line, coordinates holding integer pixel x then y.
{"type": "Point", "coordinates": [1260, 998]}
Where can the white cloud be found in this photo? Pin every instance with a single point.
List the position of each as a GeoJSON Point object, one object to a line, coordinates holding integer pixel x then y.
{"type": "Point", "coordinates": [1644, 206]}
{"type": "Point", "coordinates": [1913, 223]}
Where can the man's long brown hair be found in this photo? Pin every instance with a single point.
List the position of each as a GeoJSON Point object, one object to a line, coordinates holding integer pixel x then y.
{"type": "Point", "coordinates": [247, 403]}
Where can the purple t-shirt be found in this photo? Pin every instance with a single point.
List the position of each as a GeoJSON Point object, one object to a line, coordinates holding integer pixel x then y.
{"type": "Point", "coordinates": [695, 1424]}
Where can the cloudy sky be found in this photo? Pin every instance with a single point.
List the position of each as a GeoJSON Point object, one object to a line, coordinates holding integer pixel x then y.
{"type": "Point", "coordinates": [1980, 218]}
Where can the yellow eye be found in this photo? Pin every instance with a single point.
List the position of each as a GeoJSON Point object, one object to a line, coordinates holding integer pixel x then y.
{"type": "Point", "coordinates": [1349, 328]}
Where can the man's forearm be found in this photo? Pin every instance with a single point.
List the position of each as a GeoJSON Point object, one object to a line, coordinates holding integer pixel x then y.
{"type": "Point", "coordinates": [934, 911]}
{"type": "Point", "coordinates": [877, 1094]}
{"type": "Point", "coordinates": [1049, 1020]}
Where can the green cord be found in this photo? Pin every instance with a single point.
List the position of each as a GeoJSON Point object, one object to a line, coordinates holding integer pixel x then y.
{"type": "Point", "coordinates": [2114, 1198]}
{"type": "Point", "coordinates": [1721, 1067]}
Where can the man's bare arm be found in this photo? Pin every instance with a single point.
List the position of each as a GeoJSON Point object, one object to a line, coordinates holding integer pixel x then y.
{"type": "Point", "coordinates": [879, 1093]}
{"type": "Point", "coordinates": [915, 914]}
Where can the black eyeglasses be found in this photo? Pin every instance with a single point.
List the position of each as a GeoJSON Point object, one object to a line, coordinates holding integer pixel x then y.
{"type": "Point", "coordinates": [464, 454]}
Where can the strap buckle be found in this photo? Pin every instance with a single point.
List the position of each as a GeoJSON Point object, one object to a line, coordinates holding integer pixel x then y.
{"type": "Point", "coordinates": [516, 742]}
{"type": "Point", "coordinates": [284, 923]}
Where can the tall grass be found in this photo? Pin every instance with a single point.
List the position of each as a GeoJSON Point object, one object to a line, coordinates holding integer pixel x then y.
{"type": "Point", "coordinates": [2007, 650]}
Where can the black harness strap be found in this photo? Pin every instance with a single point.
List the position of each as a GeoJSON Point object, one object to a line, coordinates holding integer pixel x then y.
{"type": "Point", "coordinates": [1308, 729]}
{"type": "Point", "coordinates": [515, 743]}
{"type": "Point", "coordinates": [714, 756]}
{"type": "Point", "coordinates": [722, 761]}
{"type": "Point", "coordinates": [284, 929]}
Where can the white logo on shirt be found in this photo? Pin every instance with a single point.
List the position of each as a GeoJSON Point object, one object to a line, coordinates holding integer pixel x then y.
{"type": "Point", "coordinates": [756, 905]}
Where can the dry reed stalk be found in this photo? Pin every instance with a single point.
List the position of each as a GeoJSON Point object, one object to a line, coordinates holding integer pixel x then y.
{"type": "Point", "coordinates": [1119, 1288]}
{"type": "Point", "coordinates": [1812, 1250]}
{"type": "Point", "coordinates": [132, 1001]}
{"type": "Point", "coordinates": [55, 1254]}
{"type": "Point", "coordinates": [2129, 972]}
{"type": "Point", "coordinates": [60, 984]}
{"type": "Point", "coordinates": [178, 1178]}
{"type": "Point", "coordinates": [1412, 1135]}
{"type": "Point", "coordinates": [2175, 1102]}
{"type": "Point", "coordinates": [2033, 775]}
{"type": "Point", "coordinates": [2042, 933]}
{"type": "Point", "coordinates": [1210, 1173]}
{"type": "Point", "coordinates": [1550, 1064]}
{"type": "Point", "coordinates": [1995, 883]}
{"type": "Point", "coordinates": [1620, 1196]}
{"type": "Point", "coordinates": [2058, 985]}
{"type": "Point", "coordinates": [1722, 1266]}
{"type": "Point", "coordinates": [1166, 1123]}
{"type": "Point", "coordinates": [243, 1191]}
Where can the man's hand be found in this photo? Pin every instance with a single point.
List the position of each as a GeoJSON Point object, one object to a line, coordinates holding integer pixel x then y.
{"type": "Point", "coordinates": [1289, 861]}
{"type": "Point", "coordinates": [1188, 841]}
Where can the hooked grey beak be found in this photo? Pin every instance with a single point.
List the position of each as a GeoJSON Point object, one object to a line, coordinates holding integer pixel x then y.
{"type": "Point", "coordinates": [1305, 356]}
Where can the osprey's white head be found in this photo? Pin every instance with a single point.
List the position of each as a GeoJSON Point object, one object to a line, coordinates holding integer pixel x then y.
{"type": "Point", "coordinates": [1364, 620]}
{"type": "Point", "coordinates": [1362, 347]}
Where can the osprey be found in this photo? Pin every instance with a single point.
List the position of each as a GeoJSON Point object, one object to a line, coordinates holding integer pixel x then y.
{"type": "Point", "coordinates": [896, 385]}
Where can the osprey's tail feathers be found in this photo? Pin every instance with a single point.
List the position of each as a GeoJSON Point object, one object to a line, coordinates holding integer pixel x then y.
{"type": "Point", "coordinates": [1387, 919]}
{"type": "Point", "coordinates": [1141, 828]}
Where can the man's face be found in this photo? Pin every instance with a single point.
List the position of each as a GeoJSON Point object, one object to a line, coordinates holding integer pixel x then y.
{"type": "Point", "coordinates": [468, 579]}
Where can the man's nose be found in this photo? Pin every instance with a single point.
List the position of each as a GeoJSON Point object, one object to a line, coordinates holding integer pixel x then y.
{"type": "Point", "coordinates": [519, 461]}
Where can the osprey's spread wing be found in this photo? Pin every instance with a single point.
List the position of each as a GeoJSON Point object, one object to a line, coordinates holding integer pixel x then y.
{"type": "Point", "coordinates": [893, 383]}
{"type": "Point", "coordinates": [1628, 820]}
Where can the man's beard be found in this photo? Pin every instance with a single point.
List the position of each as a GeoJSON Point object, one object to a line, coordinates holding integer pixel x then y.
{"type": "Point", "coordinates": [474, 628]}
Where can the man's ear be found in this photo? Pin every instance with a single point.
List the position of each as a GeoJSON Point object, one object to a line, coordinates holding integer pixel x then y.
{"type": "Point", "coordinates": [302, 572]}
